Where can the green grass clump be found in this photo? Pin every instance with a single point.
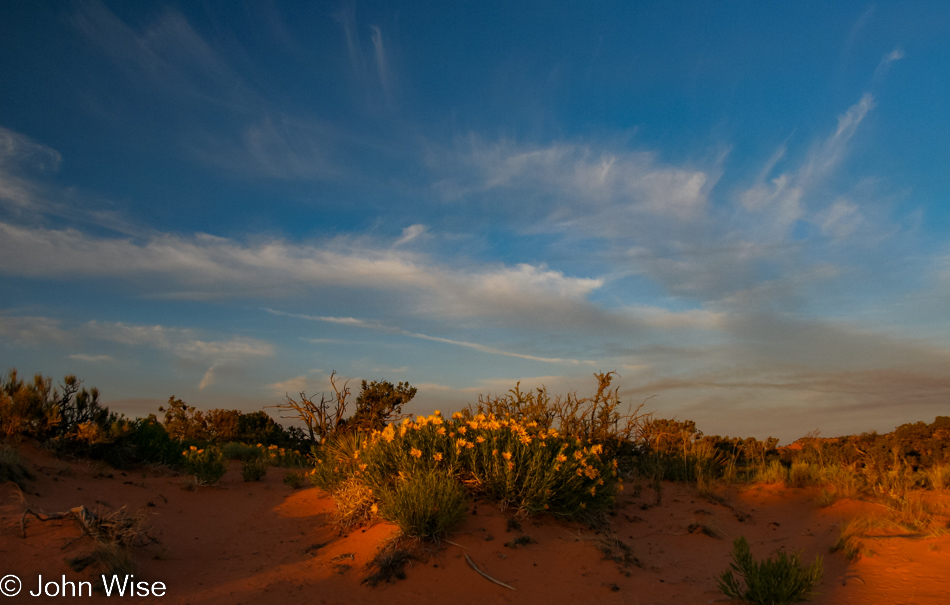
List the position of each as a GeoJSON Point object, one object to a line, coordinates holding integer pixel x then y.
{"type": "Point", "coordinates": [778, 580]}
{"type": "Point", "coordinates": [425, 503]}
{"type": "Point", "coordinates": [207, 465]}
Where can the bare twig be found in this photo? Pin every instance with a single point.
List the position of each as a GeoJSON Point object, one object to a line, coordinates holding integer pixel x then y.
{"type": "Point", "coordinates": [485, 575]}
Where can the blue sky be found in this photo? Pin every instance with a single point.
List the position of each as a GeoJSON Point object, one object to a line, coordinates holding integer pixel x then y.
{"type": "Point", "coordinates": [741, 208]}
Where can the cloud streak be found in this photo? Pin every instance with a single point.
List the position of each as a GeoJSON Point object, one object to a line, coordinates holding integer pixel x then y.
{"type": "Point", "coordinates": [380, 327]}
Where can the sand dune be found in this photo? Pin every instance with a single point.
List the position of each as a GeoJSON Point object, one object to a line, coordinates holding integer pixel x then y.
{"type": "Point", "coordinates": [266, 543]}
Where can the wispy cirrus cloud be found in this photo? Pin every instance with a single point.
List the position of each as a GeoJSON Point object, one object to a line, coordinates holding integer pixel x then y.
{"type": "Point", "coordinates": [381, 327]}
{"type": "Point", "coordinates": [581, 180]}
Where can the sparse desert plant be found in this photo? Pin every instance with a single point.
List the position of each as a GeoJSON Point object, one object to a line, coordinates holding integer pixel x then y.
{"type": "Point", "coordinates": [938, 476]}
{"type": "Point", "coordinates": [777, 580]}
{"type": "Point", "coordinates": [254, 469]}
{"type": "Point", "coordinates": [293, 479]}
{"type": "Point", "coordinates": [826, 498]}
{"type": "Point", "coordinates": [845, 481]}
{"type": "Point", "coordinates": [774, 472]}
{"type": "Point", "coordinates": [802, 474]}
{"type": "Point", "coordinates": [390, 561]}
{"type": "Point", "coordinates": [115, 559]}
{"type": "Point", "coordinates": [355, 505]}
{"type": "Point", "coordinates": [207, 465]}
{"type": "Point", "coordinates": [234, 450]}
{"type": "Point", "coordinates": [424, 503]}
{"type": "Point", "coordinates": [12, 469]}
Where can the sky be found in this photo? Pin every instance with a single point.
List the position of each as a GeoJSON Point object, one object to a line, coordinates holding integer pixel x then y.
{"type": "Point", "coordinates": [742, 208]}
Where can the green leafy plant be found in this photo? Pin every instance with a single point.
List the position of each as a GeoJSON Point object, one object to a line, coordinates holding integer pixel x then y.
{"type": "Point", "coordinates": [207, 465]}
{"type": "Point", "coordinates": [777, 580]}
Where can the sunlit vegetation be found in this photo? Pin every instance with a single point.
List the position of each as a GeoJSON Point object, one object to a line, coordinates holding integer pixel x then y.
{"type": "Point", "coordinates": [528, 451]}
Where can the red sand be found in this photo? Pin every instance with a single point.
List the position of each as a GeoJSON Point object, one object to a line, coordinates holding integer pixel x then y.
{"type": "Point", "coordinates": [259, 543]}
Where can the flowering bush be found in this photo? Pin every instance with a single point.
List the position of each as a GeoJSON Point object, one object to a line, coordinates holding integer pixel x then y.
{"type": "Point", "coordinates": [208, 465]}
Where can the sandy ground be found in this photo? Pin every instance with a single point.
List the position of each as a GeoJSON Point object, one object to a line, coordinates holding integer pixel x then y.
{"type": "Point", "coordinates": [266, 543]}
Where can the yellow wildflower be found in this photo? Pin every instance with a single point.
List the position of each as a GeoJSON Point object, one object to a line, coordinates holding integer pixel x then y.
{"type": "Point", "coordinates": [578, 455]}
{"type": "Point", "coordinates": [437, 456]}
{"type": "Point", "coordinates": [561, 458]}
{"type": "Point", "coordinates": [506, 455]}
{"type": "Point", "coordinates": [480, 439]}
{"type": "Point", "coordinates": [416, 453]}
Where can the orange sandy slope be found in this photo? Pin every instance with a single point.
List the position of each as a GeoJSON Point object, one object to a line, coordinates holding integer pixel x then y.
{"type": "Point", "coordinates": [261, 543]}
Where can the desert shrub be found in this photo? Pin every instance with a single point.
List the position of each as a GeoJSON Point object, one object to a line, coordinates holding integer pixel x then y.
{"type": "Point", "coordinates": [598, 419]}
{"type": "Point", "coordinates": [938, 476]}
{"type": "Point", "coordinates": [115, 560]}
{"type": "Point", "coordinates": [378, 404]}
{"type": "Point", "coordinates": [777, 580]}
{"type": "Point", "coordinates": [355, 504]}
{"type": "Point", "coordinates": [293, 479]}
{"type": "Point", "coordinates": [844, 481]}
{"type": "Point", "coordinates": [149, 443]}
{"type": "Point", "coordinates": [37, 409]}
{"type": "Point", "coordinates": [535, 470]}
{"type": "Point", "coordinates": [774, 472]}
{"type": "Point", "coordinates": [207, 465]}
{"type": "Point", "coordinates": [851, 537]}
{"type": "Point", "coordinates": [254, 469]}
{"type": "Point", "coordinates": [424, 503]}
{"type": "Point", "coordinates": [802, 474]}
{"type": "Point", "coordinates": [11, 468]}
{"type": "Point", "coordinates": [234, 450]}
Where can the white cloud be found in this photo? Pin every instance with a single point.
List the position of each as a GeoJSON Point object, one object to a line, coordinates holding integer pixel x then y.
{"type": "Point", "coordinates": [206, 266]}
{"type": "Point", "coordinates": [208, 379]}
{"type": "Point", "coordinates": [32, 331]}
{"type": "Point", "coordinates": [182, 342]}
{"type": "Point", "coordinates": [410, 233]}
{"type": "Point", "coordinates": [20, 155]}
{"type": "Point", "coordinates": [895, 55]}
{"type": "Point", "coordinates": [581, 179]}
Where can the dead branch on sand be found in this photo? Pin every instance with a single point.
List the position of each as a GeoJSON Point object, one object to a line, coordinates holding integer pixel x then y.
{"type": "Point", "coordinates": [117, 526]}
